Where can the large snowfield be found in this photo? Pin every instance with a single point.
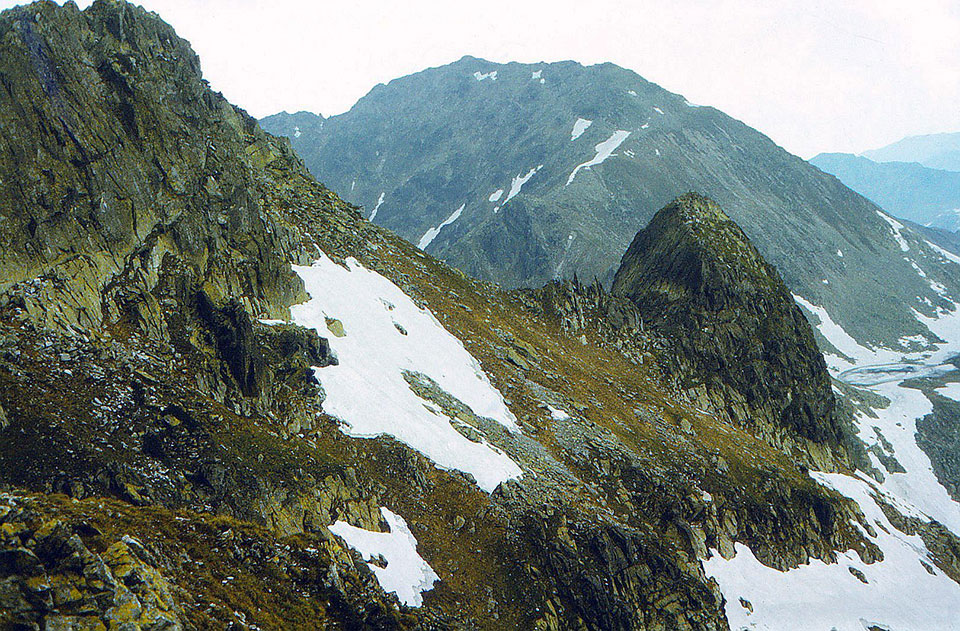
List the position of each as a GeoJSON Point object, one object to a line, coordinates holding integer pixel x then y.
{"type": "Point", "coordinates": [905, 591]}
{"type": "Point", "coordinates": [386, 335]}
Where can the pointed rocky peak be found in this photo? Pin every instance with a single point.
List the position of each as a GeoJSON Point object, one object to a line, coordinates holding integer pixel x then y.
{"type": "Point", "coordinates": [692, 252]}
{"type": "Point", "coordinates": [735, 333]}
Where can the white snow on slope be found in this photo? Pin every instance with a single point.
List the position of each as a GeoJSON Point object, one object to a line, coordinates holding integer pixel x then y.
{"type": "Point", "coordinates": [951, 391]}
{"type": "Point", "coordinates": [896, 227]}
{"type": "Point", "coordinates": [516, 184]}
{"type": "Point", "coordinates": [844, 342]}
{"type": "Point", "coordinates": [376, 208]}
{"type": "Point", "coordinates": [480, 76]}
{"type": "Point", "coordinates": [882, 371]}
{"type": "Point", "coordinates": [898, 425]}
{"type": "Point", "coordinates": [604, 150]}
{"type": "Point", "coordinates": [579, 127]}
{"type": "Point", "coordinates": [406, 574]}
{"type": "Point", "coordinates": [367, 390]}
{"type": "Point", "coordinates": [432, 233]}
{"type": "Point", "coordinates": [496, 195]}
{"type": "Point", "coordinates": [950, 256]}
{"type": "Point", "coordinates": [296, 132]}
{"type": "Point", "coordinates": [900, 594]}
{"type": "Point", "coordinates": [538, 74]}
{"type": "Point", "coordinates": [557, 414]}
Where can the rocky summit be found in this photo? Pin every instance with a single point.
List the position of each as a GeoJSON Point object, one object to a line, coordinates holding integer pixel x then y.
{"type": "Point", "coordinates": [228, 400]}
{"type": "Point", "coordinates": [730, 321]}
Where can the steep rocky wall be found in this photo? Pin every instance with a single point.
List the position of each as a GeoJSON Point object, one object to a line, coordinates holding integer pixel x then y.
{"type": "Point", "coordinates": [115, 155]}
{"type": "Point", "coordinates": [731, 325]}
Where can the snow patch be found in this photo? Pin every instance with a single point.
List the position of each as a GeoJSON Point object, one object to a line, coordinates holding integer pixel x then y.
{"type": "Point", "coordinates": [407, 574]}
{"type": "Point", "coordinates": [896, 227]}
{"type": "Point", "coordinates": [376, 208]}
{"type": "Point", "coordinates": [516, 184]}
{"type": "Point", "coordinates": [496, 195]}
{"type": "Point", "coordinates": [296, 132]}
{"type": "Point", "coordinates": [950, 256]}
{"type": "Point", "coordinates": [557, 414]}
{"type": "Point", "coordinates": [537, 75]}
{"type": "Point", "coordinates": [828, 595]}
{"type": "Point", "coordinates": [604, 150]}
{"type": "Point", "coordinates": [917, 485]}
{"type": "Point", "coordinates": [951, 391]}
{"type": "Point", "coordinates": [432, 233]}
{"type": "Point", "coordinates": [844, 342]}
{"type": "Point", "coordinates": [367, 391]}
{"type": "Point", "coordinates": [658, 110]}
{"type": "Point", "coordinates": [480, 76]}
{"type": "Point", "coordinates": [579, 127]}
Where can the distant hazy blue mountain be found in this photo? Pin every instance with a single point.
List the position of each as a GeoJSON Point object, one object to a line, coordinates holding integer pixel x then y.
{"type": "Point", "coordinates": [937, 151]}
{"type": "Point", "coordinates": [930, 197]}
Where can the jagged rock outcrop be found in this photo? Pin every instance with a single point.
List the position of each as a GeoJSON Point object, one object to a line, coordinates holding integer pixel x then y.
{"type": "Point", "coordinates": [118, 160]}
{"type": "Point", "coordinates": [733, 328]}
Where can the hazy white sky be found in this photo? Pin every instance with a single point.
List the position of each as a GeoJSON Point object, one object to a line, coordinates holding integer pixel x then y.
{"type": "Point", "coordinates": [815, 75]}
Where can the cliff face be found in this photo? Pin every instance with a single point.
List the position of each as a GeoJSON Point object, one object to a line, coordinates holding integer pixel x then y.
{"type": "Point", "coordinates": [117, 160]}
{"type": "Point", "coordinates": [733, 329]}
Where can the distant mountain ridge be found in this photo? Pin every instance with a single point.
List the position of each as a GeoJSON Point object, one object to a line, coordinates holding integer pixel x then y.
{"type": "Point", "coordinates": [521, 173]}
{"type": "Point", "coordinates": [908, 190]}
{"type": "Point", "coordinates": [937, 151]}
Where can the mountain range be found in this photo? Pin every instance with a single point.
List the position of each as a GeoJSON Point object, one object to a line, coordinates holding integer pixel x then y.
{"type": "Point", "coordinates": [907, 190]}
{"type": "Point", "coordinates": [522, 173]}
{"type": "Point", "coordinates": [936, 151]}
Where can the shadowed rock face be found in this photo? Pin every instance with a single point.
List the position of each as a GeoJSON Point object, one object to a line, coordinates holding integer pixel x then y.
{"type": "Point", "coordinates": [732, 323]}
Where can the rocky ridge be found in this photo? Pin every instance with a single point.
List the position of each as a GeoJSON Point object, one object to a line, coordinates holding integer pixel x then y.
{"type": "Point", "coordinates": [731, 323]}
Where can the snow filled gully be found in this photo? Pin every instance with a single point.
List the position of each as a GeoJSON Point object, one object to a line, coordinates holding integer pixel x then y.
{"type": "Point", "coordinates": [905, 591]}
